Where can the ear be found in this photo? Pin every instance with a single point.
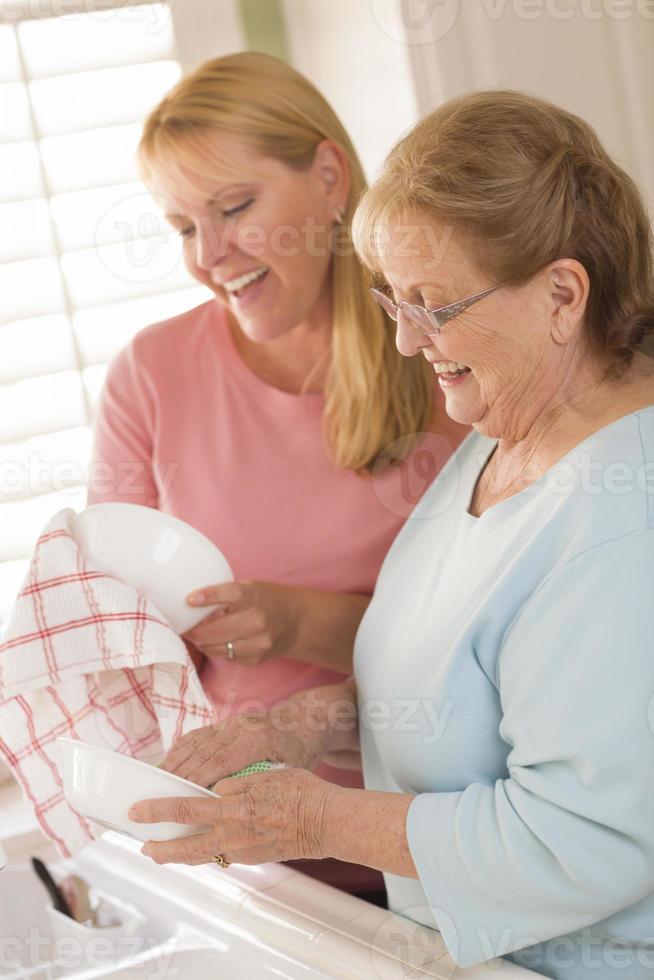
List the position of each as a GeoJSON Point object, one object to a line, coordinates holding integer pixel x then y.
{"type": "Point", "coordinates": [568, 288]}
{"type": "Point", "coordinates": [332, 171]}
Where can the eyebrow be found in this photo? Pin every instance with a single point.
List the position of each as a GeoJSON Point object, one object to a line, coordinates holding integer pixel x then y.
{"type": "Point", "coordinates": [212, 200]}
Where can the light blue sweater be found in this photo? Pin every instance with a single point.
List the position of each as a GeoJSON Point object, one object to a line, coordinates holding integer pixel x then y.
{"type": "Point", "coordinates": [505, 673]}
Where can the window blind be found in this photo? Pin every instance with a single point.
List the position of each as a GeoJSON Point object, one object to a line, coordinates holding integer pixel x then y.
{"type": "Point", "coordinates": [85, 259]}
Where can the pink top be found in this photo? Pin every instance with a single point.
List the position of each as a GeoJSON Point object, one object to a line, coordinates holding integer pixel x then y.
{"type": "Point", "coordinates": [184, 425]}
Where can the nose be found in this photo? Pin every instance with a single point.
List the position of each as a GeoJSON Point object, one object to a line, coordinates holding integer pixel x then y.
{"type": "Point", "coordinates": [408, 339]}
{"type": "Point", "coordinates": [211, 243]}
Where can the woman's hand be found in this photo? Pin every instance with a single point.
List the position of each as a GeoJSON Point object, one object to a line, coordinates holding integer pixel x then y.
{"type": "Point", "coordinates": [271, 816]}
{"type": "Point", "coordinates": [259, 619]}
{"type": "Point", "coordinates": [292, 732]}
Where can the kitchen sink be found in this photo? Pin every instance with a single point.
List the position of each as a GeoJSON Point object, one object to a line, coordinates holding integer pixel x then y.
{"type": "Point", "coordinates": [204, 922]}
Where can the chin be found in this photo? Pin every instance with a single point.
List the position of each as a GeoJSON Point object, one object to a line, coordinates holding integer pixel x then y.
{"type": "Point", "coordinates": [464, 413]}
{"type": "Point", "coordinates": [256, 328]}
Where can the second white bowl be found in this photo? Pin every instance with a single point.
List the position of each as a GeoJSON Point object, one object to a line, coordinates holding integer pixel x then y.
{"type": "Point", "coordinates": [102, 785]}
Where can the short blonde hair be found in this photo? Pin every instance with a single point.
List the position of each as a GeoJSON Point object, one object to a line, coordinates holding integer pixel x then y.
{"type": "Point", "coordinates": [527, 183]}
{"type": "Point", "coordinates": [374, 397]}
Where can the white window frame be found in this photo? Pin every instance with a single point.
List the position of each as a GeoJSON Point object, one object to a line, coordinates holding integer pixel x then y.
{"type": "Point", "coordinates": [202, 29]}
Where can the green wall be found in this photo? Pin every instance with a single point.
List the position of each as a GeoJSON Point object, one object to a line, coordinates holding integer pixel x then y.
{"type": "Point", "coordinates": [263, 26]}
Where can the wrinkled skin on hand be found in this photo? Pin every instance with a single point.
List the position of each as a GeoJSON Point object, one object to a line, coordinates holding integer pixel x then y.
{"type": "Point", "coordinates": [272, 816]}
{"type": "Point", "coordinates": [288, 733]}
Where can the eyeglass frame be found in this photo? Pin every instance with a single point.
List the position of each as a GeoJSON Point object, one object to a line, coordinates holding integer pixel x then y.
{"type": "Point", "coordinates": [444, 313]}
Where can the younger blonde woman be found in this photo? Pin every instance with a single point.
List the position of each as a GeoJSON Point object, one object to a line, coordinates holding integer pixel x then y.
{"type": "Point", "coordinates": [277, 418]}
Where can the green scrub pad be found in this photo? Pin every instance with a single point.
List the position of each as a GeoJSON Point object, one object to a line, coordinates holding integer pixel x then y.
{"type": "Point", "coordinates": [256, 767]}
{"type": "Point", "coordinates": [263, 766]}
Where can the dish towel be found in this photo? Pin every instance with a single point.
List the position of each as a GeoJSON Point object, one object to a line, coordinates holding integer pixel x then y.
{"type": "Point", "coordinates": [89, 657]}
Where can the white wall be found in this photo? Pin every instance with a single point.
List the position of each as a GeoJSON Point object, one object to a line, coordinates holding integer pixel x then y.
{"type": "Point", "coordinates": [598, 63]}
{"type": "Point", "coordinates": [365, 74]}
{"type": "Point", "coordinates": [205, 29]}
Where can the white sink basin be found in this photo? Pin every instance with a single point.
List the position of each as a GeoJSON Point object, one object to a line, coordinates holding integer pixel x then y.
{"type": "Point", "coordinates": [266, 921]}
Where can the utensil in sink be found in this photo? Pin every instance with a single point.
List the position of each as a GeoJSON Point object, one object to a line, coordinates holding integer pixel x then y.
{"type": "Point", "coordinates": [76, 892]}
{"type": "Point", "coordinates": [58, 900]}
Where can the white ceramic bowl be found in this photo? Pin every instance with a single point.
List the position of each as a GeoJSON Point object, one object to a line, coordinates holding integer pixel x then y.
{"type": "Point", "coordinates": [102, 785]}
{"type": "Point", "coordinates": [160, 555]}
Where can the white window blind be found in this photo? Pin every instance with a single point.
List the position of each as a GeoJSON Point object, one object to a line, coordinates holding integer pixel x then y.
{"type": "Point", "coordinates": [85, 260]}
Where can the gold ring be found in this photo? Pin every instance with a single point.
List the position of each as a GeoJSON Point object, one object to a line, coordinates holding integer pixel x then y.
{"type": "Point", "coordinates": [220, 861]}
{"type": "Point", "coordinates": [230, 649]}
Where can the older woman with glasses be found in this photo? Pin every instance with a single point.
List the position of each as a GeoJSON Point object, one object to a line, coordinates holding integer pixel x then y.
{"type": "Point", "coordinates": [503, 693]}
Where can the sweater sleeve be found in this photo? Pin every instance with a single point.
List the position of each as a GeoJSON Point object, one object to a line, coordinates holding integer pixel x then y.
{"type": "Point", "coordinates": [122, 467]}
{"type": "Point", "coordinates": [567, 840]}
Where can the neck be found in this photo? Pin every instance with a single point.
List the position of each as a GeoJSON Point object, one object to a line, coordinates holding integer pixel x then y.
{"type": "Point", "coordinates": [297, 361]}
{"type": "Point", "coordinates": [567, 419]}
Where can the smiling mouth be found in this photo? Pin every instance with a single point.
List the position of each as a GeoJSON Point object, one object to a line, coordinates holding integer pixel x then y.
{"type": "Point", "coordinates": [449, 368]}
{"type": "Point", "coordinates": [236, 287]}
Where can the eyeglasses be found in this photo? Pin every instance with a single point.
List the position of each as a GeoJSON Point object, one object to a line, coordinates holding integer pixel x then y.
{"type": "Point", "coordinates": [429, 322]}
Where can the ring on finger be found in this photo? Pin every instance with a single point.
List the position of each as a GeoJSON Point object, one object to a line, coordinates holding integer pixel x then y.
{"type": "Point", "coordinates": [230, 649]}
{"type": "Point", "coordinates": [220, 861]}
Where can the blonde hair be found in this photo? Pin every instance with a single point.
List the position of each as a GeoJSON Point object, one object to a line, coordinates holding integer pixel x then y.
{"type": "Point", "coordinates": [373, 397]}
{"type": "Point", "coordinates": [527, 183]}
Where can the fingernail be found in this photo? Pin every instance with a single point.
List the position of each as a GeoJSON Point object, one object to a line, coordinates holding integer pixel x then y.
{"type": "Point", "coordinates": [196, 598]}
{"type": "Point", "coordinates": [134, 813]}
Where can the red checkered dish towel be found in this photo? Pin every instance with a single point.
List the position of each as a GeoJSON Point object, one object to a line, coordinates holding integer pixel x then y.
{"type": "Point", "coordinates": [89, 657]}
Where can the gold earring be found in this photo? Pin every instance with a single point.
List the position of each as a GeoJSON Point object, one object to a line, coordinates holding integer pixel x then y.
{"type": "Point", "coordinates": [339, 214]}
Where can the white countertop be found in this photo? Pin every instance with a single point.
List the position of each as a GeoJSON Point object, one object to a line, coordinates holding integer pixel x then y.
{"type": "Point", "coordinates": [270, 906]}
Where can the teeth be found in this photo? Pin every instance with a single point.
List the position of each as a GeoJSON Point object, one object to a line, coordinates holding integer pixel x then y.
{"type": "Point", "coordinates": [234, 285]}
{"type": "Point", "coordinates": [448, 367]}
